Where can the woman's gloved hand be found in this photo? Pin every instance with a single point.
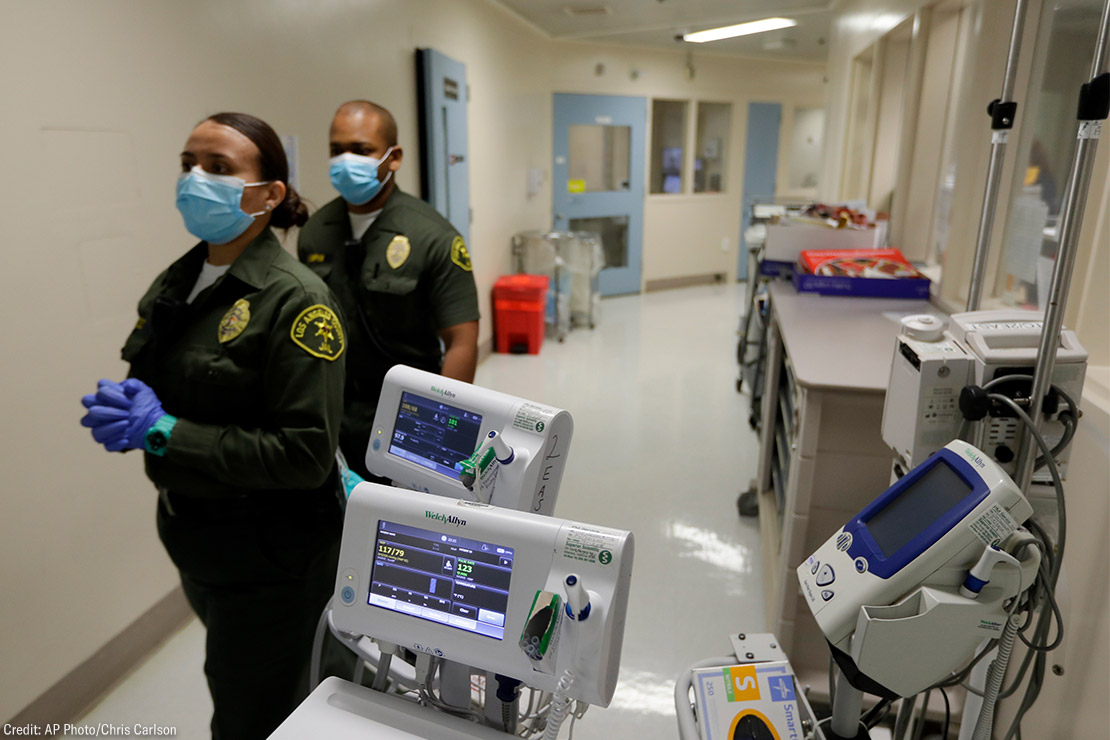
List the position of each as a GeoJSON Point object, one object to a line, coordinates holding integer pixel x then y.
{"type": "Point", "coordinates": [120, 414]}
{"type": "Point", "coordinates": [109, 410]}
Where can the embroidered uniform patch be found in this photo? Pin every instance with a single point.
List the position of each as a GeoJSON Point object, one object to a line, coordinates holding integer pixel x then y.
{"type": "Point", "coordinates": [398, 251]}
{"type": "Point", "coordinates": [459, 254]}
{"type": "Point", "coordinates": [317, 331]}
{"type": "Point", "coordinates": [234, 321]}
{"type": "Point", "coordinates": [316, 257]}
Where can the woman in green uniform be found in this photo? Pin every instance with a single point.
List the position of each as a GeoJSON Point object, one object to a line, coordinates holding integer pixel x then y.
{"type": "Point", "coordinates": [235, 393]}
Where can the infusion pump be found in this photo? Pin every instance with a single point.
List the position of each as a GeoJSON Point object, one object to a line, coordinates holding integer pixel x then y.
{"type": "Point", "coordinates": [932, 365]}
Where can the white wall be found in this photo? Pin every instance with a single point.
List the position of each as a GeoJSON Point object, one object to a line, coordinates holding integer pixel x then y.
{"type": "Point", "coordinates": [98, 98]}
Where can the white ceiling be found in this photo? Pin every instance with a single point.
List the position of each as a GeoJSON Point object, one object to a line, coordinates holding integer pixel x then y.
{"type": "Point", "coordinates": [656, 23]}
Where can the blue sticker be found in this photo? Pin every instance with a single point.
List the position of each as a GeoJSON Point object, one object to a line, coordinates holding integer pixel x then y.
{"type": "Point", "coordinates": [782, 688]}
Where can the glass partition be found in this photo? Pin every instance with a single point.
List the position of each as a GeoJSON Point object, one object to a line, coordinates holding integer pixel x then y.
{"type": "Point", "coordinates": [711, 154]}
{"type": "Point", "coordinates": [668, 146]}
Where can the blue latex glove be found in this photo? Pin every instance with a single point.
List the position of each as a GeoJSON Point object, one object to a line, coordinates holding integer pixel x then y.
{"type": "Point", "coordinates": [145, 410]}
{"type": "Point", "coordinates": [350, 480]}
{"type": "Point", "coordinates": [108, 411]}
{"type": "Point", "coordinates": [120, 414]}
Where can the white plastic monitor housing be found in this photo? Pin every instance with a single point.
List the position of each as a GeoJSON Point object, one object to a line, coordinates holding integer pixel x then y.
{"type": "Point", "coordinates": [941, 516]}
{"type": "Point", "coordinates": [397, 596]}
{"type": "Point", "coordinates": [412, 444]}
{"type": "Point", "coordinates": [930, 366]}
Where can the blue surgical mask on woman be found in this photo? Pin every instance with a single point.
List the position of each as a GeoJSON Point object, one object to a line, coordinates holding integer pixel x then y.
{"type": "Point", "coordinates": [210, 205]}
{"type": "Point", "coordinates": [356, 176]}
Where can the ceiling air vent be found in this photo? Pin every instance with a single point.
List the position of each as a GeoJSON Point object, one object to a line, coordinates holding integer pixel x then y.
{"type": "Point", "coordinates": [587, 10]}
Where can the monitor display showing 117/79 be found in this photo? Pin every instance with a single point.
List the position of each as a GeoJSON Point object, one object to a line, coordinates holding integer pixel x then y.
{"type": "Point", "coordinates": [458, 582]}
{"type": "Point", "coordinates": [434, 435]}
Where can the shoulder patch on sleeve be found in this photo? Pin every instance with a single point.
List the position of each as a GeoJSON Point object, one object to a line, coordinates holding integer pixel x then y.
{"type": "Point", "coordinates": [459, 254]}
{"type": "Point", "coordinates": [318, 332]}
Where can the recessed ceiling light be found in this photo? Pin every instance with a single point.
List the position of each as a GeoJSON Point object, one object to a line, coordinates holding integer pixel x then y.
{"type": "Point", "coordinates": [740, 29]}
{"type": "Point", "coordinates": [587, 10]}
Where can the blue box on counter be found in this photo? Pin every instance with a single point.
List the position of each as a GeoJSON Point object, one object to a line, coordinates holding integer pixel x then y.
{"type": "Point", "coordinates": [870, 273]}
{"type": "Point", "coordinates": [862, 287]}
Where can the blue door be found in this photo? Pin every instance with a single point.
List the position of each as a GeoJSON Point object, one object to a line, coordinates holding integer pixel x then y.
{"type": "Point", "coordinates": [444, 169]}
{"type": "Point", "coordinates": [761, 156]}
{"type": "Point", "coordinates": [598, 179]}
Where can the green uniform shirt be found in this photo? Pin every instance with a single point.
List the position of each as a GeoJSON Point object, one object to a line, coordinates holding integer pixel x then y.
{"type": "Point", "coordinates": [405, 280]}
{"type": "Point", "coordinates": [252, 368]}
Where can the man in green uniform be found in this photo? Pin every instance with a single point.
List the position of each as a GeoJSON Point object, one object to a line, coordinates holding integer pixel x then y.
{"type": "Point", "coordinates": [400, 271]}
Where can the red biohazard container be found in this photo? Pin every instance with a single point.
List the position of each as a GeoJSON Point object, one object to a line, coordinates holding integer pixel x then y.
{"type": "Point", "coordinates": [519, 303]}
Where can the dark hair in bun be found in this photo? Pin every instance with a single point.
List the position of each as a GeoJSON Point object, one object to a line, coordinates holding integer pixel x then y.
{"type": "Point", "coordinates": [291, 211]}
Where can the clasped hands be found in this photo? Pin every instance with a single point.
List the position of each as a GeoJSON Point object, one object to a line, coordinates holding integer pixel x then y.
{"type": "Point", "coordinates": [121, 414]}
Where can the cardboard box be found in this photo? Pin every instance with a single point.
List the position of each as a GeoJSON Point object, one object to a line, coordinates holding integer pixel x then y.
{"type": "Point", "coordinates": [754, 700]}
{"type": "Point", "coordinates": [875, 273]}
{"type": "Point", "coordinates": [786, 242]}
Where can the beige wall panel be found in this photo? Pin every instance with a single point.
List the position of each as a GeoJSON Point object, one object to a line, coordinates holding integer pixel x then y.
{"type": "Point", "coordinates": [99, 98]}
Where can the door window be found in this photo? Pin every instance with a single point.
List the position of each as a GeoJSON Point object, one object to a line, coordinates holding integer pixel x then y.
{"type": "Point", "coordinates": [614, 236]}
{"type": "Point", "coordinates": [599, 158]}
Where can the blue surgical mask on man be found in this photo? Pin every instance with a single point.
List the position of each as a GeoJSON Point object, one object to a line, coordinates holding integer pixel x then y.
{"type": "Point", "coordinates": [210, 205]}
{"type": "Point", "coordinates": [356, 176]}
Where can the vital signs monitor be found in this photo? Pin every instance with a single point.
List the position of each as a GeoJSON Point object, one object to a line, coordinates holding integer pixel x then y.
{"type": "Point", "coordinates": [486, 586]}
{"type": "Point", "coordinates": [942, 514]}
{"type": "Point", "coordinates": [450, 438]}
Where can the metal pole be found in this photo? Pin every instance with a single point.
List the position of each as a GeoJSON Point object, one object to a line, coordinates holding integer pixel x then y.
{"type": "Point", "coordinates": [1002, 113]}
{"type": "Point", "coordinates": [905, 717]}
{"type": "Point", "coordinates": [1075, 200]}
{"type": "Point", "coordinates": [846, 710]}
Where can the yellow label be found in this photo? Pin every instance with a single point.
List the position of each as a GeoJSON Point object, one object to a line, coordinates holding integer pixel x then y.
{"type": "Point", "coordinates": [234, 321]}
{"type": "Point", "coordinates": [318, 332]}
{"type": "Point", "coordinates": [743, 683]}
{"type": "Point", "coordinates": [140, 323]}
{"type": "Point", "coordinates": [459, 254]}
{"type": "Point", "coordinates": [316, 257]}
{"type": "Point", "coordinates": [398, 251]}
{"type": "Point", "coordinates": [576, 186]}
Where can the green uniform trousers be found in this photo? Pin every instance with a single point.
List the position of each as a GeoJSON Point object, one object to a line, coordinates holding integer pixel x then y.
{"type": "Point", "coordinates": [258, 578]}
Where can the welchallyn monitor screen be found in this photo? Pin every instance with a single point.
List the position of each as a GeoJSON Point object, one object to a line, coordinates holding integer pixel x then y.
{"type": "Point", "coordinates": [433, 434]}
{"type": "Point", "coordinates": [455, 581]}
{"type": "Point", "coordinates": [934, 493]}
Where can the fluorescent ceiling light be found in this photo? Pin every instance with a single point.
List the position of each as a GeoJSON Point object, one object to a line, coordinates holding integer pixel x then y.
{"type": "Point", "coordinates": [740, 29]}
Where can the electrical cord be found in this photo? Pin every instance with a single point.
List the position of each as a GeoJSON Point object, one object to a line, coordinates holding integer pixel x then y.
{"type": "Point", "coordinates": [1038, 658]}
{"type": "Point", "coordinates": [947, 714]}
{"type": "Point", "coordinates": [876, 714]}
{"type": "Point", "coordinates": [318, 648]}
{"type": "Point", "coordinates": [427, 694]}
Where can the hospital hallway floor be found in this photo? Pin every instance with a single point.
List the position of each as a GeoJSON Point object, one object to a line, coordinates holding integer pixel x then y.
{"type": "Point", "coordinates": [661, 447]}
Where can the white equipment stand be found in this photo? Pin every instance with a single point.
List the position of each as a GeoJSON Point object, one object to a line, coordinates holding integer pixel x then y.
{"type": "Point", "coordinates": [526, 598]}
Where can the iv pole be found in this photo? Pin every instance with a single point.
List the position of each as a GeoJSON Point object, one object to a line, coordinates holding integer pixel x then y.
{"type": "Point", "coordinates": [1003, 111]}
{"type": "Point", "coordinates": [1094, 106]}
